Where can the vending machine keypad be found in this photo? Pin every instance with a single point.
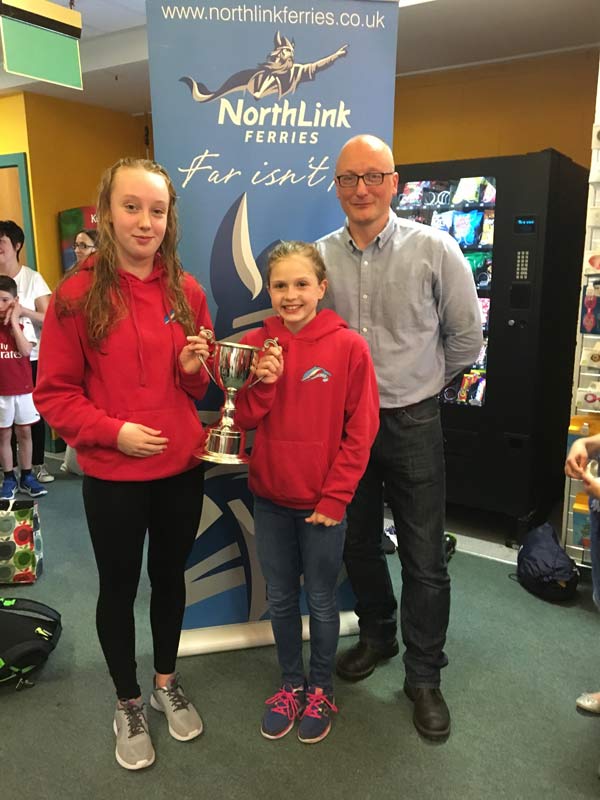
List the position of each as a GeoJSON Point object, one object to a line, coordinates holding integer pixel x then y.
{"type": "Point", "coordinates": [522, 265]}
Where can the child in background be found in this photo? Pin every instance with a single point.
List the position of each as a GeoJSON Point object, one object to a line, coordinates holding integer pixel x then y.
{"type": "Point", "coordinates": [16, 401]}
{"type": "Point", "coordinates": [582, 450]}
{"type": "Point", "coordinates": [34, 297]}
{"type": "Point", "coordinates": [315, 421]}
{"type": "Point", "coordinates": [84, 245]}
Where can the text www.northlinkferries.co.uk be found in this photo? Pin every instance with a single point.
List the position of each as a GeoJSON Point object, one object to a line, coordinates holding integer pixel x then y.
{"type": "Point", "coordinates": [278, 15]}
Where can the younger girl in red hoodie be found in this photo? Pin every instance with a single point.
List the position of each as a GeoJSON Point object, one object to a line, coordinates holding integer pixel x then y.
{"type": "Point", "coordinates": [315, 419]}
{"type": "Point", "coordinates": [116, 379]}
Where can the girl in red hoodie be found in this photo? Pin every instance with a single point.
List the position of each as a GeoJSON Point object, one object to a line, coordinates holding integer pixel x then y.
{"type": "Point", "coordinates": [315, 419]}
{"type": "Point", "coordinates": [116, 379]}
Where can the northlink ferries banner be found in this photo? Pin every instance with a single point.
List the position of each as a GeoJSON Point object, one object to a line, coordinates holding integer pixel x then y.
{"type": "Point", "coordinates": [251, 103]}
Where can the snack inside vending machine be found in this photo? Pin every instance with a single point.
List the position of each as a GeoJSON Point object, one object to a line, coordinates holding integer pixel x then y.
{"type": "Point", "coordinates": [520, 222]}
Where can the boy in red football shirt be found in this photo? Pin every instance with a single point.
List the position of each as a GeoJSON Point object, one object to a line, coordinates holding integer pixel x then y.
{"type": "Point", "coordinates": [16, 387]}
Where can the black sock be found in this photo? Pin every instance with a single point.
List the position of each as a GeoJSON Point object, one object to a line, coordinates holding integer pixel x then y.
{"type": "Point", "coordinates": [25, 473]}
{"type": "Point", "coordinates": [9, 474]}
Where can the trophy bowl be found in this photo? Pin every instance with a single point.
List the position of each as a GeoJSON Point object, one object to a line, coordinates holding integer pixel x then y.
{"type": "Point", "coordinates": [232, 362]}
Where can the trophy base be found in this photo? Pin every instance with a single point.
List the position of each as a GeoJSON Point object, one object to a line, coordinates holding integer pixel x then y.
{"type": "Point", "coordinates": [224, 446]}
{"type": "Point", "coordinates": [219, 458]}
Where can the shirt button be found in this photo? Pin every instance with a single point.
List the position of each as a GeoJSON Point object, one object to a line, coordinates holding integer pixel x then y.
{"type": "Point", "coordinates": [365, 296]}
{"type": "Point", "coordinates": [365, 263]}
{"type": "Point", "coordinates": [364, 330]}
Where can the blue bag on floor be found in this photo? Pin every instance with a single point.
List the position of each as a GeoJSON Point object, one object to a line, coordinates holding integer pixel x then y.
{"type": "Point", "coordinates": [543, 567]}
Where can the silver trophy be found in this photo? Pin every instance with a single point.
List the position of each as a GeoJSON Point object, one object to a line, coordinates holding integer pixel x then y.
{"type": "Point", "coordinates": [226, 442]}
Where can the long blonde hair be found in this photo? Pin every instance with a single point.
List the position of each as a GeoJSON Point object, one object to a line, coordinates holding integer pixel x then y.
{"type": "Point", "coordinates": [103, 304]}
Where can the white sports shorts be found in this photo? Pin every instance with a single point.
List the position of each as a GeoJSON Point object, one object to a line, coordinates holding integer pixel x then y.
{"type": "Point", "coordinates": [17, 409]}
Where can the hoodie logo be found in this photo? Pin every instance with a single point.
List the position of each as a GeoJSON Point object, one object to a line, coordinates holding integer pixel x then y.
{"type": "Point", "coordinates": [170, 317]}
{"type": "Point", "coordinates": [315, 374]}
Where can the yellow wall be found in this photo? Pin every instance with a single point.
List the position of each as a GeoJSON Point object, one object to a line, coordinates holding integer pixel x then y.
{"type": "Point", "coordinates": [13, 139]}
{"type": "Point", "coordinates": [498, 109]}
{"type": "Point", "coordinates": [70, 145]}
{"type": "Point", "coordinates": [13, 126]}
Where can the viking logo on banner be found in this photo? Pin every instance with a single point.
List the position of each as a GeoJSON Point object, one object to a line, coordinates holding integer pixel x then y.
{"type": "Point", "coordinates": [279, 75]}
{"type": "Point", "coordinates": [251, 103]}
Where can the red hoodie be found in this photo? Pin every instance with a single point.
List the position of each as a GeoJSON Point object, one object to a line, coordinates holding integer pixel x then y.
{"type": "Point", "coordinates": [316, 424]}
{"type": "Point", "coordinates": [134, 376]}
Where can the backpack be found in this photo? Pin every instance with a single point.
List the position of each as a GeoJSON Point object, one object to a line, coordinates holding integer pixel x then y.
{"type": "Point", "coordinates": [29, 632]}
{"type": "Point", "coordinates": [543, 567]}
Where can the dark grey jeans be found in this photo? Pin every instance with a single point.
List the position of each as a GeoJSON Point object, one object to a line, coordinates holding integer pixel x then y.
{"type": "Point", "coordinates": [407, 463]}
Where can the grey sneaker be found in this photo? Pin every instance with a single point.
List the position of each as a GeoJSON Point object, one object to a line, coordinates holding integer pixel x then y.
{"type": "Point", "coordinates": [134, 747]}
{"type": "Point", "coordinates": [183, 719]}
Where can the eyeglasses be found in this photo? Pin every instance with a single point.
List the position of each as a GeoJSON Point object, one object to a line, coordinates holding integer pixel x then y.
{"type": "Point", "coordinates": [369, 179]}
{"type": "Point", "coordinates": [81, 246]}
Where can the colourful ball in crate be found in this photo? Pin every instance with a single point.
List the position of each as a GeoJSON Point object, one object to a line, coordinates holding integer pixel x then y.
{"type": "Point", "coordinates": [7, 549]}
{"type": "Point", "coordinates": [7, 522]}
{"type": "Point", "coordinates": [7, 572]}
{"type": "Point", "coordinates": [24, 558]}
{"type": "Point", "coordinates": [23, 536]}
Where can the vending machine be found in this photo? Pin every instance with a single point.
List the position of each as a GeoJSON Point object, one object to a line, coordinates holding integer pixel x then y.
{"type": "Point", "coordinates": [520, 222]}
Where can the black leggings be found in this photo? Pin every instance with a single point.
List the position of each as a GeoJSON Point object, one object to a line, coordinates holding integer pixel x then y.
{"type": "Point", "coordinates": [38, 434]}
{"type": "Point", "coordinates": [118, 514]}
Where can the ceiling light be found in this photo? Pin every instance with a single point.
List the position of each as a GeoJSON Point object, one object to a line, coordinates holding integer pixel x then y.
{"type": "Point", "coordinates": [403, 3]}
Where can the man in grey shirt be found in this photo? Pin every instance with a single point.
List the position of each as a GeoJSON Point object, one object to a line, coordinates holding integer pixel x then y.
{"type": "Point", "coordinates": [409, 291]}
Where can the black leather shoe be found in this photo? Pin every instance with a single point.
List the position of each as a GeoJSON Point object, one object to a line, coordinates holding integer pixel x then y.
{"type": "Point", "coordinates": [359, 661]}
{"type": "Point", "coordinates": [389, 548]}
{"type": "Point", "coordinates": [431, 716]}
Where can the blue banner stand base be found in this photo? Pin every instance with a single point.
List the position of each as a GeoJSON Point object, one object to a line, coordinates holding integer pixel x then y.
{"type": "Point", "coordinates": [248, 634]}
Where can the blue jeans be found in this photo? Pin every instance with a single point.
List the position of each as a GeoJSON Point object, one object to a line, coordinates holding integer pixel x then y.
{"type": "Point", "coordinates": [287, 547]}
{"type": "Point", "coordinates": [407, 464]}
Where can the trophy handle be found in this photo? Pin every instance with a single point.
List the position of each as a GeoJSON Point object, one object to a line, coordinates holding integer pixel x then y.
{"type": "Point", "coordinates": [209, 336]}
{"type": "Point", "coordinates": [266, 344]}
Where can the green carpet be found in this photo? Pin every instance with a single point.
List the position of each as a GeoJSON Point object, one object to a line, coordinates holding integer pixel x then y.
{"type": "Point", "coordinates": [516, 667]}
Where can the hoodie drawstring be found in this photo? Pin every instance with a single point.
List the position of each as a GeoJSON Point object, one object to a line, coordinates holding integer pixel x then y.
{"type": "Point", "coordinates": [170, 316]}
{"type": "Point", "coordinates": [140, 340]}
